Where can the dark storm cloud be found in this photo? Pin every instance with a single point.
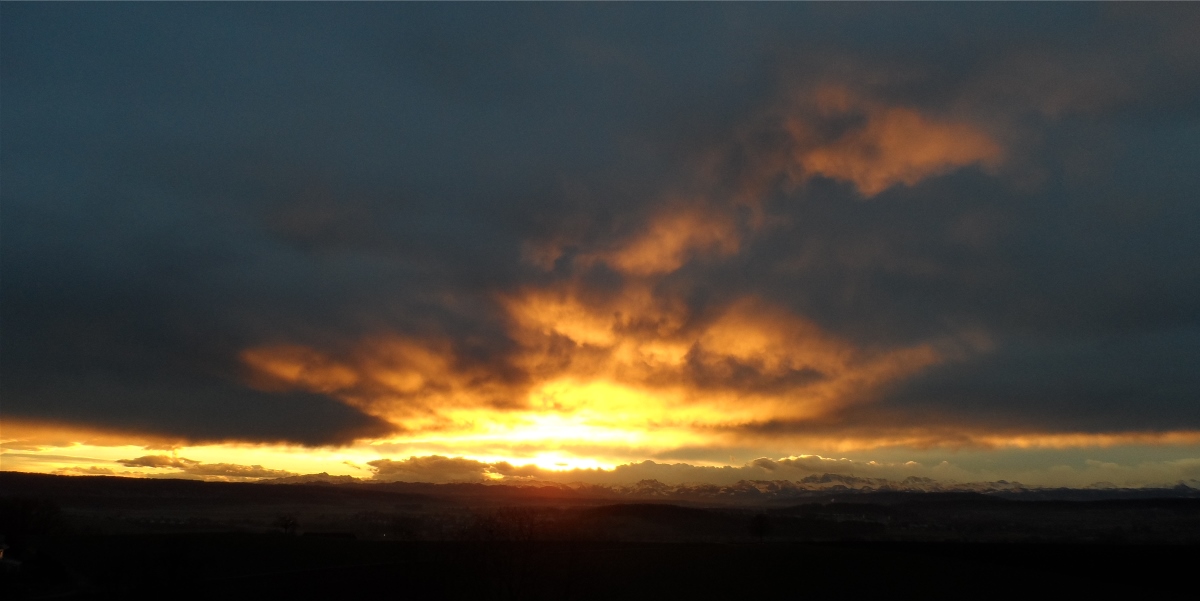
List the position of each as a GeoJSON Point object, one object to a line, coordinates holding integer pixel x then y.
{"type": "Point", "coordinates": [182, 183]}
{"type": "Point", "coordinates": [1146, 380]}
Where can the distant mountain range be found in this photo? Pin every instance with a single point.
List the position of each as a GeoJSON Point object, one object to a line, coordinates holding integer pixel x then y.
{"type": "Point", "coordinates": [756, 491]}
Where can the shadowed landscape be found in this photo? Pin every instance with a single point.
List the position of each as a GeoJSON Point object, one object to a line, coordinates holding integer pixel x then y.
{"type": "Point", "coordinates": [107, 538]}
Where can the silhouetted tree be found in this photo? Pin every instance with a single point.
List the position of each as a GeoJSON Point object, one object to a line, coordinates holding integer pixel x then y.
{"type": "Point", "coordinates": [401, 527]}
{"type": "Point", "coordinates": [760, 526]}
{"type": "Point", "coordinates": [288, 523]}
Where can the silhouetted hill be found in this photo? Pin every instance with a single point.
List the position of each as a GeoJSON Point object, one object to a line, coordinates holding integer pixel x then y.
{"type": "Point", "coordinates": [118, 492]}
{"type": "Point", "coordinates": [647, 510]}
{"type": "Point", "coordinates": [323, 489]}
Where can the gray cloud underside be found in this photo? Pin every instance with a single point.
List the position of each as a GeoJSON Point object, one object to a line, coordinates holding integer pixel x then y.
{"type": "Point", "coordinates": [184, 182]}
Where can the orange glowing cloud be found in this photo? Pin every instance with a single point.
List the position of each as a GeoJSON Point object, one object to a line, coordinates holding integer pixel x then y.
{"type": "Point", "coordinates": [630, 370]}
{"type": "Point", "coordinates": [394, 377]}
{"type": "Point", "coordinates": [287, 366]}
{"type": "Point", "coordinates": [779, 346]}
{"type": "Point", "coordinates": [833, 434]}
{"type": "Point", "coordinates": [570, 312]}
{"type": "Point", "coordinates": [843, 133]}
{"type": "Point", "coordinates": [884, 145]}
{"type": "Point", "coordinates": [673, 237]}
{"type": "Point", "coordinates": [1075, 440]}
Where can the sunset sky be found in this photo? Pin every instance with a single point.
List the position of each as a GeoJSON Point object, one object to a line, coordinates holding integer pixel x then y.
{"type": "Point", "coordinates": [478, 242]}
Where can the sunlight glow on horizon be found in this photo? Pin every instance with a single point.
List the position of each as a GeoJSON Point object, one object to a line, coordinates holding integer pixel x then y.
{"type": "Point", "coordinates": [241, 461]}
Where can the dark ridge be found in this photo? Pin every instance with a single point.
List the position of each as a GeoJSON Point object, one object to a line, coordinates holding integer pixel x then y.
{"type": "Point", "coordinates": [1083, 494]}
{"type": "Point", "coordinates": [652, 511]}
{"type": "Point", "coordinates": [902, 498]}
{"type": "Point", "coordinates": [115, 491]}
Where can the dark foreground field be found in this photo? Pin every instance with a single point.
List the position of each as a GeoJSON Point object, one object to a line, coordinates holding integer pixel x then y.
{"type": "Point", "coordinates": [224, 566]}
{"type": "Point", "coordinates": [118, 538]}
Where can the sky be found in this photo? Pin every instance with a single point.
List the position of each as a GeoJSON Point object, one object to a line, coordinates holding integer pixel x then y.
{"type": "Point", "coordinates": [601, 243]}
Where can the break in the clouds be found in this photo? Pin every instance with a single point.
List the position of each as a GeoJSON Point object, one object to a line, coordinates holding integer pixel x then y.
{"type": "Point", "coordinates": [599, 232]}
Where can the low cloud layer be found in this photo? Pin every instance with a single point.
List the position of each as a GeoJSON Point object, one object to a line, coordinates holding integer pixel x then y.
{"type": "Point", "coordinates": [224, 471]}
{"type": "Point", "coordinates": [810, 472]}
{"type": "Point", "coordinates": [556, 230]}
